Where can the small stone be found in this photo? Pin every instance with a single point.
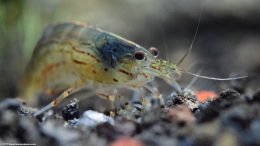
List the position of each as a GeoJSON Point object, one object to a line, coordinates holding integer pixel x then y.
{"type": "Point", "coordinates": [256, 97]}
{"type": "Point", "coordinates": [11, 104]}
{"type": "Point", "coordinates": [185, 97]}
{"type": "Point", "coordinates": [227, 138]}
{"type": "Point", "coordinates": [204, 95]}
{"type": "Point", "coordinates": [124, 141]}
{"type": "Point", "coordinates": [92, 119]}
{"type": "Point", "coordinates": [229, 94]}
{"type": "Point", "coordinates": [71, 111]}
{"type": "Point", "coordinates": [181, 113]}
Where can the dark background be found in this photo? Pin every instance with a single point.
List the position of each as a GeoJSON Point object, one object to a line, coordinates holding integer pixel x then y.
{"type": "Point", "coordinates": [228, 39]}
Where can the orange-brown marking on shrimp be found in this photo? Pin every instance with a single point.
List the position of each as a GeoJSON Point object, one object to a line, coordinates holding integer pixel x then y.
{"type": "Point", "coordinates": [156, 68]}
{"type": "Point", "coordinates": [79, 62]}
{"type": "Point", "coordinates": [50, 67]}
{"type": "Point", "coordinates": [145, 75]}
{"type": "Point", "coordinates": [125, 72]}
{"type": "Point", "coordinates": [115, 80]}
{"type": "Point", "coordinates": [86, 53]}
{"type": "Point", "coordinates": [94, 71]}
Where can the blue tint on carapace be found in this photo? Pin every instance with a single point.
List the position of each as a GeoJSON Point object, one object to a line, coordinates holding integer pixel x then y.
{"type": "Point", "coordinates": [113, 50]}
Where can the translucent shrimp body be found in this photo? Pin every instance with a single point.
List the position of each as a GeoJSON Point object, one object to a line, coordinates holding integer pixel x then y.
{"type": "Point", "coordinates": [74, 55]}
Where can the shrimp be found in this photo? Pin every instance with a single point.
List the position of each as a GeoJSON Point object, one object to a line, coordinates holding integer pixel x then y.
{"type": "Point", "coordinates": [72, 56]}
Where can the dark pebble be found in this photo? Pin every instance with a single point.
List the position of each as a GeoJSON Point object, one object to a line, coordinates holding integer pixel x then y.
{"type": "Point", "coordinates": [71, 111]}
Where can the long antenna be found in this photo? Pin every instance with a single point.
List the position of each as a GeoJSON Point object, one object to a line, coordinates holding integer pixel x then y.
{"type": "Point", "coordinates": [194, 38]}
{"type": "Point", "coordinates": [188, 52]}
{"type": "Point", "coordinates": [193, 81]}
{"type": "Point", "coordinates": [214, 78]}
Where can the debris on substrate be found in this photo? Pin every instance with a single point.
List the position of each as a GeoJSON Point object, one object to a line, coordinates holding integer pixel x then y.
{"type": "Point", "coordinates": [232, 119]}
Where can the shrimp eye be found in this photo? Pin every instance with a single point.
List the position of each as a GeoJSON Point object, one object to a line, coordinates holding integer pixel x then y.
{"type": "Point", "coordinates": [154, 51]}
{"type": "Point", "coordinates": [139, 55]}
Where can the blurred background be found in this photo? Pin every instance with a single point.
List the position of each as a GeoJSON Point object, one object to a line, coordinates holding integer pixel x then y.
{"type": "Point", "coordinates": [228, 39]}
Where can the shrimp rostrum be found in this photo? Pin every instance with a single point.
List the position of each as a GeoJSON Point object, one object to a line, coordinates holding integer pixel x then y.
{"type": "Point", "coordinates": [72, 56]}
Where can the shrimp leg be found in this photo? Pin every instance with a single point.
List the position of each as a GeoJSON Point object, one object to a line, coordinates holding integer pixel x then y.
{"type": "Point", "coordinates": [59, 99]}
{"type": "Point", "coordinates": [112, 97]}
{"type": "Point", "coordinates": [78, 86]}
{"type": "Point", "coordinates": [156, 94]}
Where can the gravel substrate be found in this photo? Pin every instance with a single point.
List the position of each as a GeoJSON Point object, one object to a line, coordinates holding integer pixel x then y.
{"type": "Point", "coordinates": [230, 120]}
